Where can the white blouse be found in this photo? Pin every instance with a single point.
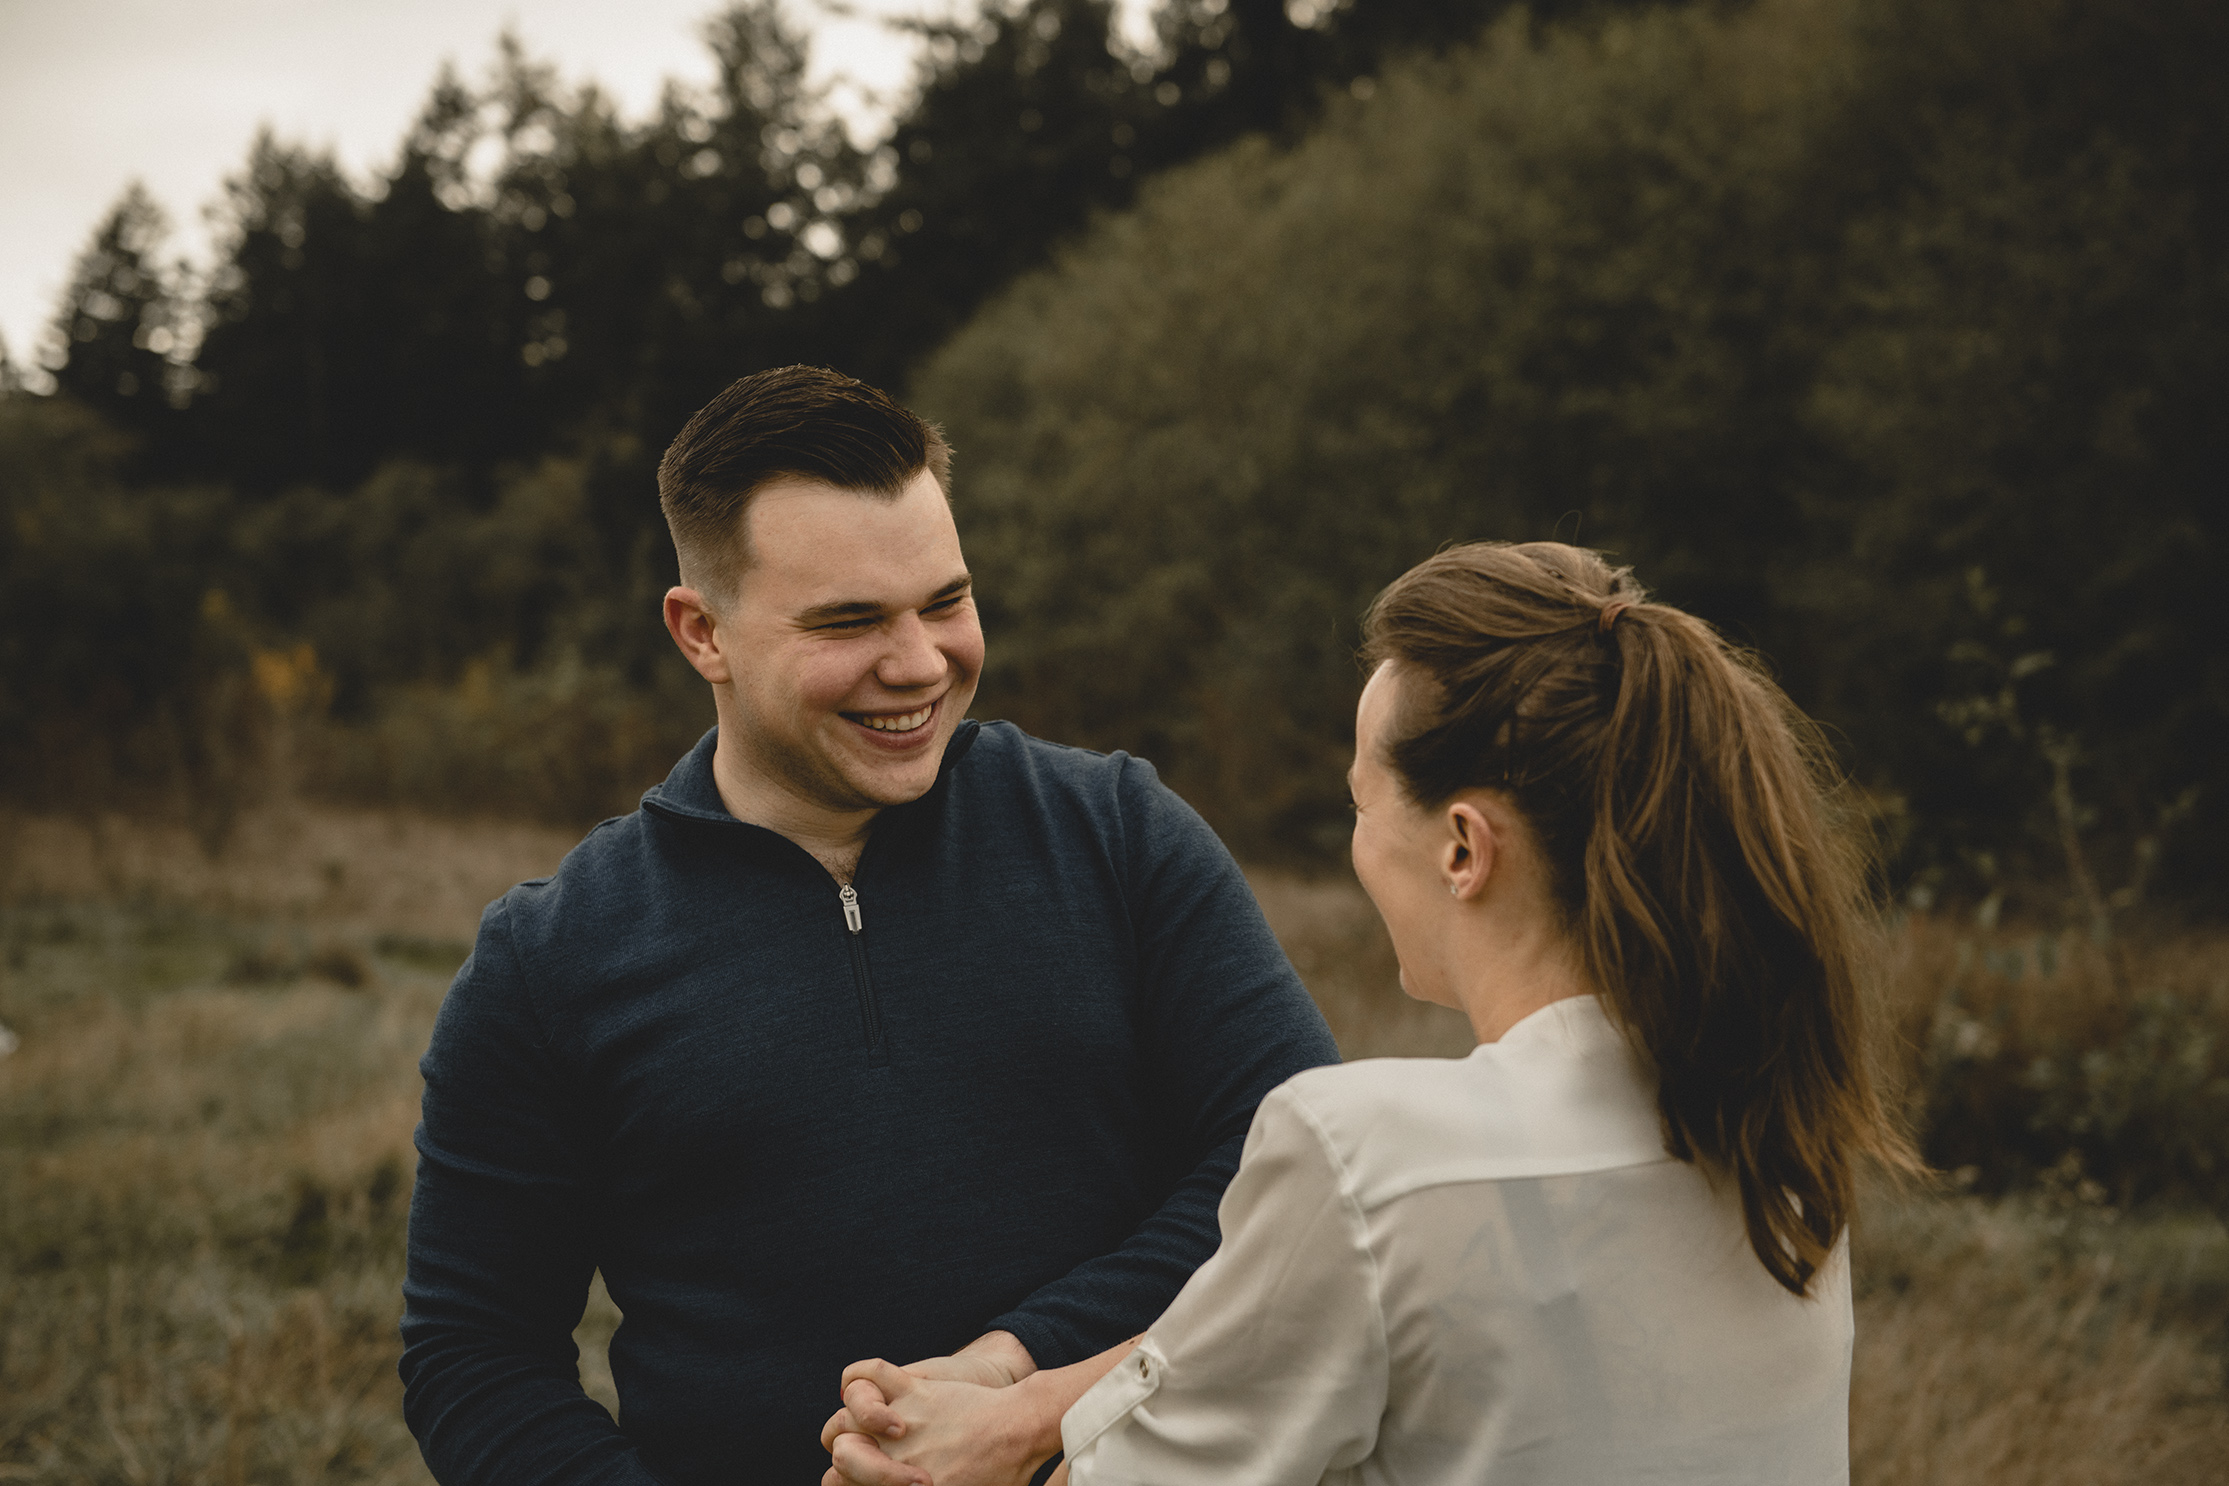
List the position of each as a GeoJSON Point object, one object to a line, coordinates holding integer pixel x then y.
{"type": "Point", "coordinates": [1484, 1270]}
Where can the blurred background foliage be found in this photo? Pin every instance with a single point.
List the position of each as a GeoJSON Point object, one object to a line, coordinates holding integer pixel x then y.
{"type": "Point", "coordinates": [1886, 334]}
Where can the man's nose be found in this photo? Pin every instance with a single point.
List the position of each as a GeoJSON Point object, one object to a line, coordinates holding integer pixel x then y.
{"type": "Point", "coordinates": [913, 658]}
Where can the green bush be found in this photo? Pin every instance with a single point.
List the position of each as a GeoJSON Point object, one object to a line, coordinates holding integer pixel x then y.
{"type": "Point", "coordinates": [565, 742]}
{"type": "Point", "coordinates": [429, 639]}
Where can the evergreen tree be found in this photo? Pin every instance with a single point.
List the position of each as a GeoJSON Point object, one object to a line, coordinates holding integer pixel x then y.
{"type": "Point", "coordinates": [119, 322]}
{"type": "Point", "coordinates": [444, 382]}
{"type": "Point", "coordinates": [11, 375]}
{"type": "Point", "coordinates": [1235, 67]}
{"type": "Point", "coordinates": [638, 270]}
{"type": "Point", "coordinates": [1025, 121]}
{"type": "Point", "coordinates": [288, 373]}
{"type": "Point", "coordinates": [742, 191]}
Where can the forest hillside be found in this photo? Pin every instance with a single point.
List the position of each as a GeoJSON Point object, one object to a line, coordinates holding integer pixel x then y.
{"type": "Point", "coordinates": [1886, 335]}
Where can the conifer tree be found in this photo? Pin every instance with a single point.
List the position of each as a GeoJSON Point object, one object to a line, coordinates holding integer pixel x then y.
{"type": "Point", "coordinates": [1026, 121]}
{"type": "Point", "coordinates": [119, 322]}
{"type": "Point", "coordinates": [285, 374]}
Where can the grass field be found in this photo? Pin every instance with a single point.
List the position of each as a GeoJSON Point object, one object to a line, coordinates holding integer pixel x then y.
{"type": "Point", "coordinates": [205, 1167]}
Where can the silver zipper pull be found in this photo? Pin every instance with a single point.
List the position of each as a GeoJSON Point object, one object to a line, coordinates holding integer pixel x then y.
{"type": "Point", "coordinates": [850, 895]}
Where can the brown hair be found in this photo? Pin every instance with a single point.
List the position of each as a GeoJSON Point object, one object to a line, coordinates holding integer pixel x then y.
{"type": "Point", "coordinates": [794, 422]}
{"type": "Point", "coordinates": [1683, 804]}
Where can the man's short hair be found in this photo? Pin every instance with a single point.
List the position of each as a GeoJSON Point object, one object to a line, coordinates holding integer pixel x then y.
{"type": "Point", "coordinates": [794, 422]}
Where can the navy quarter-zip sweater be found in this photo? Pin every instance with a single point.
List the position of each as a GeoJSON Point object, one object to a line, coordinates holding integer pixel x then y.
{"type": "Point", "coordinates": [1000, 1085]}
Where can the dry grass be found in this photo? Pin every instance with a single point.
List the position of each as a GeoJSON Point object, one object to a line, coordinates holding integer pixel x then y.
{"type": "Point", "coordinates": [2042, 1340]}
{"type": "Point", "coordinates": [204, 1167]}
{"type": "Point", "coordinates": [201, 1207]}
{"type": "Point", "coordinates": [360, 872]}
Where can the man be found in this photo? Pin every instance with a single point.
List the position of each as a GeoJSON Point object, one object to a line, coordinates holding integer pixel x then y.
{"type": "Point", "coordinates": [874, 1033]}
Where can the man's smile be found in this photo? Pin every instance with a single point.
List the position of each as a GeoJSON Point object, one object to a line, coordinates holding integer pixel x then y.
{"type": "Point", "coordinates": [895, 722]}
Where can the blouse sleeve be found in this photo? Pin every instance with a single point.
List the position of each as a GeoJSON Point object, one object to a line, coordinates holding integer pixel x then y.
{"type": "Point", "coordinates": [1270, 1365]}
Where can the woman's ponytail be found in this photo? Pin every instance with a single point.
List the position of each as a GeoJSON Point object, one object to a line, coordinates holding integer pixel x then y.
{"type": "Point", "coordinates": [1683, 804]}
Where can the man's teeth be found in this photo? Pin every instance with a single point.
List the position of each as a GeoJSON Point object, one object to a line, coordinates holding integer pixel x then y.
{"type": "Point", "coordinates": [904, 723]}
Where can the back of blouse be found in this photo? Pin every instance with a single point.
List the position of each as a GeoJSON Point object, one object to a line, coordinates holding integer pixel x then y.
{"type": "Point", "coordinates": [1478, 1271]}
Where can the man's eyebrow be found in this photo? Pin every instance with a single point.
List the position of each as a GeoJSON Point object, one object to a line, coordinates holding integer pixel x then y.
{"type": "Point", "coordinates": [865, 609]}
{"type": "Point", "coordinates": [848, 609]}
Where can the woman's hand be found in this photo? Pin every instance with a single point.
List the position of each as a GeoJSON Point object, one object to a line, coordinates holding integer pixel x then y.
{"type": "Point", "coordinates": [956, 1421]}
{"type": "Point", "coordinates": [950, 1421]}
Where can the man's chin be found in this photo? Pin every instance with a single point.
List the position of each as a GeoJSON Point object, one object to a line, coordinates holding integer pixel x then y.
{"type": "Point", "coordinates": [879, 783]}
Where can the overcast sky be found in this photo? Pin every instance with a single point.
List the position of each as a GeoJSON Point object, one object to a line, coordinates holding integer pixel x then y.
{"type": "Point", "coordinates": [94, 93]}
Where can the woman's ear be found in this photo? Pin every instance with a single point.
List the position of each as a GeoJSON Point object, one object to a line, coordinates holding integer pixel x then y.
{"type": "Point", "coordinates": [1468, 850]}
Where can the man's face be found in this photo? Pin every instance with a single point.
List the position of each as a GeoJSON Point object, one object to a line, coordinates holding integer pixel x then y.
{"type": "Point", "coordinates": [852, 643]}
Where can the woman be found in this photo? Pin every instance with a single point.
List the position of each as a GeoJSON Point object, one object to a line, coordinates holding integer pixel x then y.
{"type": "Point", "coordinates": [1610, 1244]}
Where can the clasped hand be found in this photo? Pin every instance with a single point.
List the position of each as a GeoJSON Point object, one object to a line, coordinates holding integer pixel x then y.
{"type": "Point", "coordinates": [944, 1421]}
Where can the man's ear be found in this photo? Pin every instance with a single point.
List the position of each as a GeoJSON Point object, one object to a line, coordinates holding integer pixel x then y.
{"type": "Point", "coordinates": [1469, 849]}
{"type": "Point", "coordinates": [696, 629]}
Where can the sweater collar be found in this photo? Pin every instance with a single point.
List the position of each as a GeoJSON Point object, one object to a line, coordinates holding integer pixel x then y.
{"type": "Point", "coordinates": [691, 793]}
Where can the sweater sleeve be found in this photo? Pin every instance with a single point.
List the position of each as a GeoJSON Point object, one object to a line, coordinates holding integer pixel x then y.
{"type": "Point", "coordinates": [1224, 1021]}
{"type": "Point", "coordinates": [1271, 1367]}
{"type": "Point", "coordinates": [500, 1252]}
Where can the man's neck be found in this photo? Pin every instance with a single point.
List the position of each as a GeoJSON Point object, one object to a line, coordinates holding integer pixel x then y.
{"type": "Point", "coordinates": [834, 838]}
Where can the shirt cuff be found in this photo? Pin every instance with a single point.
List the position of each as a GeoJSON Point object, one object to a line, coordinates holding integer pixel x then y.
{"type": "Point", "coordinates": [1134, 1380]}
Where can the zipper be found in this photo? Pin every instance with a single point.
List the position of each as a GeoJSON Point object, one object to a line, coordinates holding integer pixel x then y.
{"type": "Point", "coordinates": [870, 1016]}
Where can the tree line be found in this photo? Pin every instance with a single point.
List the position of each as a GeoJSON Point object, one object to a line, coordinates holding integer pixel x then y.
{"type": "Point", "coordinates": [1885, 334]}
{"type": "Point", "coordinates": [412, 423]}
{"type": "Point", "coordinates": [605, 273]}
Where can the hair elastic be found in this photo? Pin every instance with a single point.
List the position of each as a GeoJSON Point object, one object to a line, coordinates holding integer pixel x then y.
{"type": "Point", "coordinates": [1610, 613]}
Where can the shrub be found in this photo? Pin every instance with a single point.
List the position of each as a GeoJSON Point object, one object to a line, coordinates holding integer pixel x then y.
{"type": "Point", "coordinates": [2044, 1058]}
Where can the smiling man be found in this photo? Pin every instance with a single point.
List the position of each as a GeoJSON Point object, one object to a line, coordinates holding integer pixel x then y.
{"type": "Point", "coordinates": [875, 1032]}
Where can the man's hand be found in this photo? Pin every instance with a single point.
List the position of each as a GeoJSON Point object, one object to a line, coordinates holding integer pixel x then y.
{"type": "Point", "coordinates": [909, 1430]}
{"type": "Point", "coordinates": [995, 1359]}
{"type": "Point", "coordinates": [964, 1420]}
{"type": "Point", "coordinates": [957, 1422]}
